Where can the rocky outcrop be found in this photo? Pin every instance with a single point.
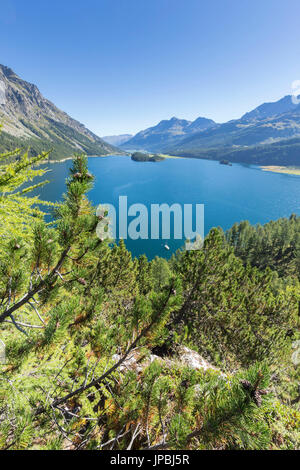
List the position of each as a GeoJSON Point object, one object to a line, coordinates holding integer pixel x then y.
{"type": "Point", "coordinates": [185, 357]}
{"type": "Point", "coordinates": [192, 359]}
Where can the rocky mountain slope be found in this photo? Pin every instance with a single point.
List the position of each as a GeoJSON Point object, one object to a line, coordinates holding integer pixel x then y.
{"type": "Point", "coordinates": [30, 120]}
{"type": "Point", "coordinates": [166, 133]}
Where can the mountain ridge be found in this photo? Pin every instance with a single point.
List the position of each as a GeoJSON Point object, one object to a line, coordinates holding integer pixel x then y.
{"type": "Point", "coordinates": [272, 108]}
{"type": "Point", "coordinates": [253, 138]}
{"type": "Point", "coordinates": [269, 135]}
{"type": "Point", "coordinates": [165, 133]}
{"type": "Point", "coordinates": [262, 126]}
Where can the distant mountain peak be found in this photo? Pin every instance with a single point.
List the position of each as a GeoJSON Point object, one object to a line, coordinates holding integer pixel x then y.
{"type": "Point", "coordinates": [270, 109]}
{"type": "Point", "coordinates": [202, 119]}
{"type": "Point", "coordinates": [201, 123]}
{"type": "Point", "coordinates": [117, 139]}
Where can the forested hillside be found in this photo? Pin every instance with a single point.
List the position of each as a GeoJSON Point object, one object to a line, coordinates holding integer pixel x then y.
{"type": "Point", "coordinates": [284, 152]}
{"type": "Point", "coordinates": [275, 245]}
{"type": "Point", "coordinates": [97, 344]}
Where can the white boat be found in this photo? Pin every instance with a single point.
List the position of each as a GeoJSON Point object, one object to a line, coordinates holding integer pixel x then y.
{"type": "Point", "coordinates": [166, 247]}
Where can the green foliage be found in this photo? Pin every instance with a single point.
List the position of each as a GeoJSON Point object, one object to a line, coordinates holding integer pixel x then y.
{"type": "Point", "coordinates": [18, 213]}
{"type": "Point", "coordinates": [231, 311]}
{"type": "Point", "coordinates": [60, 137]}
{"type": "Point", "coordinates": [275, 245]}
{"type": "Point", "coordinates": [160, 272]}
{"type": "Point", "coordinates": [144, 279]}
{"type": "Point", "coordinates": [284, 152]}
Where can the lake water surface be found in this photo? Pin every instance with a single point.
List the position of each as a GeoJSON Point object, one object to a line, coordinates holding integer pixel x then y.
{"type": "Point", "coordinates": [230, 193]}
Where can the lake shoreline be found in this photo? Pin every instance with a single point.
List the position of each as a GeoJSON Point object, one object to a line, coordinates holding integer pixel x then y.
{"type": "Point", "coordinates": [286, 170]}
{"type": "Point", "coordinates": [89, 156]}
{"type": "Point", "coordinates": [103, 156]}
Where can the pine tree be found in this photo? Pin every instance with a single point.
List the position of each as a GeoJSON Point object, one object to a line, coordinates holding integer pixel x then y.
{"type": "Point", "coordinates": [18, 211]}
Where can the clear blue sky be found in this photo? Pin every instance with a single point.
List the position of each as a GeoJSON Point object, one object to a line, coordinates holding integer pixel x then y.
{"type": "Point", "coordinates": [120, 66]}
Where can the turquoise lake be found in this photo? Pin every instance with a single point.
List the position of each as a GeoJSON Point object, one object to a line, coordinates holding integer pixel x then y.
{"type": "Point", "coordinates": [230, 193]}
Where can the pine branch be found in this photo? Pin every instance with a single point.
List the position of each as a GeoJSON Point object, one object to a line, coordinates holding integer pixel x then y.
{"type": "Point", "coordinates": [49, 279]}
{"type": "Point", "coordinates": [100, 379]}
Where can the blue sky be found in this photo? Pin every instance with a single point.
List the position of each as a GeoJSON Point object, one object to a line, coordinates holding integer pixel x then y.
{"type": "Point", "coordinates": [120, 66]}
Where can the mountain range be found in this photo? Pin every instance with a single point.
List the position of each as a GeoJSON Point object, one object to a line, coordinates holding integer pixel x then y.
{"type": "Point", "coordinates": [269, 134]}
{"type": "Point", "coordinates": [166, 133]}
{"type": "Point", "coordinates": [30, 120]}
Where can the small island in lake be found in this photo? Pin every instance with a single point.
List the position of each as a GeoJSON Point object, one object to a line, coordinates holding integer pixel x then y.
{"type": "Point", "coordinates": [145, 157]}
{"type": "Point", "coordinates": [225, 162]}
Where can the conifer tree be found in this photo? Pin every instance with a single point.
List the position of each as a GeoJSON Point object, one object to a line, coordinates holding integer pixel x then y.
{"type": "Point", "coordinates": [18, 212]}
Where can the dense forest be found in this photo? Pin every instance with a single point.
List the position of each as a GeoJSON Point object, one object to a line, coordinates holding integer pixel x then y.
{"type": "Point", "coordinates": [103, 351]}
{"type": "Point", "coordinates": [285, 152]}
